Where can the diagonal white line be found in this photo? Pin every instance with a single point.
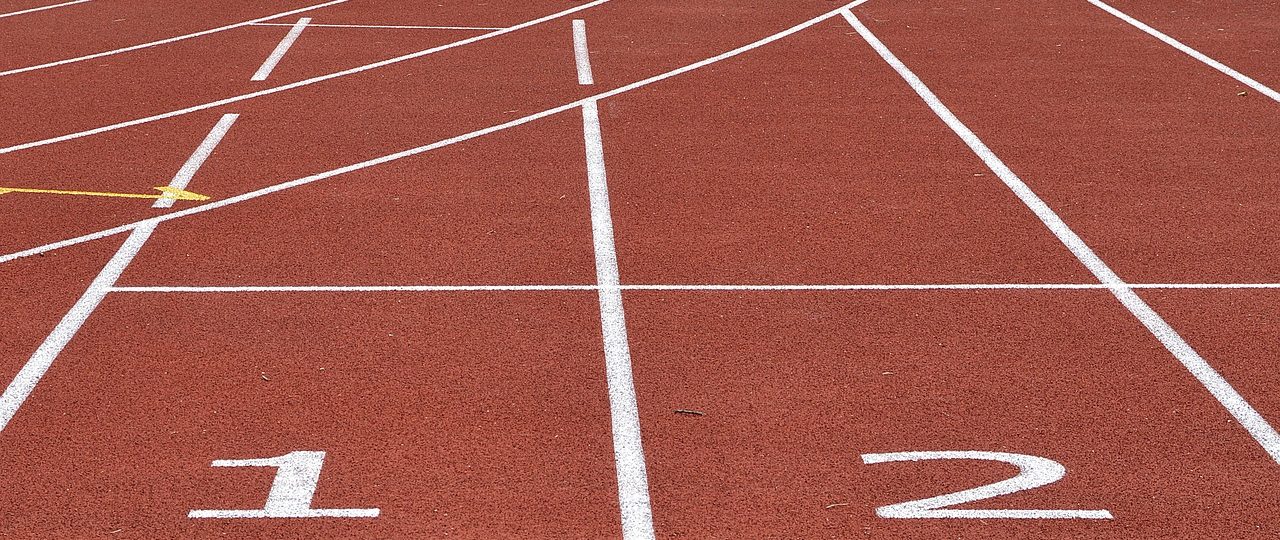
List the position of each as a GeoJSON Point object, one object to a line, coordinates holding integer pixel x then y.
{"type": "Point", "coordinates": [193, 164]}
{"type": "Point", "coordinates": [25, 381]}
{"type": "Point", "coordinates": [1242, 78]}
{"type": "Point", "coordinates": [283, 47]}
{"type": "Point", "coordinates": [162, 42]}
{"type": "Point", "coordinates": [1239, 408]}
{"type": "Point", "coordinates": [41, 8]}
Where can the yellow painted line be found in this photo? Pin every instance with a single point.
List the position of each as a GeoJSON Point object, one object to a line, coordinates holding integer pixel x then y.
{"type": "Point", "coordinates": [166, 192]}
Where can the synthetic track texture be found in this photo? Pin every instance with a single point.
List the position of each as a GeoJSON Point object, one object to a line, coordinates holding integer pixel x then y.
{"type": "Point", "coordinates": [808, 161]}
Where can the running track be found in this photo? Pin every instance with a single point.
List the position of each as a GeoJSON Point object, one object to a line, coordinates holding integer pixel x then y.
{"type": "Point", "coordinates": [685, 269]}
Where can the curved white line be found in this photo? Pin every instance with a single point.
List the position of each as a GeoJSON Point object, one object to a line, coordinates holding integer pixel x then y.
{"type": "Point", "coordinates": [425, 148]}
{"type": "Point", "coordinates": [164, 41]}
{"type": "Point", "coordinates": [41, 8]}
{"type": "Point", "coordinates": [299, 84]}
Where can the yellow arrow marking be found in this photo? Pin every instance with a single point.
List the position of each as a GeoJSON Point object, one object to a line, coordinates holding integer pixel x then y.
{"type": "Point", "coordinates": [166, 192]}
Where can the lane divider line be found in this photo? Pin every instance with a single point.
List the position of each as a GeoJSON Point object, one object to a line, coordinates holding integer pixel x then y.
{"type": "Point", "coordinates": [42, 8]}
{"type": "Point", "coordinates": [581, 56]}
{"type": "Point", "coordinates": [390, 26]}
{"type": "Point", "coordinates": [18, 390]}
{"type": "Point", "coordinates": [193, 163]}
{"type": "Point", "coordinates": [261, 192]}
{"type": "Point", "coordinates": [678, 287]}
{"type": "Point", "coordinates": [628, 452]}
{"type": "Point", "coordinates": [1240, 409]}
{"type": "Point", "coordinates": [299, 84]}
{"type": "Point", "coordinates": [165, 41]}
{"type": "Point", "coordinates": [283, 47]}
{"type": "Point", "coordinates": [29, 376]}
{"type": "Point", "coordinates": [1203, 58]}
{"type": "Point", "coordinates": [624, 411]}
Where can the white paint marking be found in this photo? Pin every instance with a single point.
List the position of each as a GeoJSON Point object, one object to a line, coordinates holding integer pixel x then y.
{"type": "Point", "coordinates": [35, 368]}
{"type": "Point", "coordinates": [292, 490]}
{"type": "Point", "coordinates": [582, 56]}
{"type": "Point", "coordinates": [675, 287]}
{"type": "Point", "coordinates": [299, 84]}
{"type": "Point", "coordinates": [633, 481]}
{"type": "Point", "coordinates": [33, 10]}
{"type": "Point", "coordinates": [1033, 472]}
{"type": "Point", "coordinates": [31, 373]}
{"type": "Point", "coordinates": [390, 26]}
{"type": "Point", "coordinates": [1242, 78]}
{"type": "Point", "coordinates": [1243, 412]}
{"type": "Point", "coordinates": [163, 42]}
{"type": "Point", "coordinates": [405, 153]}
{"type": "Point", "coordinates": [194, 162]}
{"type": "Point", "coordinates": [280, 50]}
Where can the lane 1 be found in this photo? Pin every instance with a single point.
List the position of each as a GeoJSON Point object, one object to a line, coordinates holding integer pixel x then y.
{"type": "Point", "coordinates": [461, 415]}
{"type": "Point", "coordinates": [511, 208]}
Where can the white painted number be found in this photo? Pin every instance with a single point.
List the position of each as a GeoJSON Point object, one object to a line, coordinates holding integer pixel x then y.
{"type": "Point", "coordinates": [1033, 472]}
{"type": "Point", "coordinates": [297, 475]}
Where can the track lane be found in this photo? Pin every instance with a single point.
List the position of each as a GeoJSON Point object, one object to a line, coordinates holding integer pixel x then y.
{"type": "Point", "coordinates": [473, 415]}
{"type": "Point", "coordinates": [1163, 171]}
{"type": "Point", "coordinates": [793, 387]}
{"type": "Point", "coordinates": [788, 166]}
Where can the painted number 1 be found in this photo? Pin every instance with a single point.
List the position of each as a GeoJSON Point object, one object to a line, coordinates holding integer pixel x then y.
{"type": "Point", "coordinates": [1033, 472]}
{"type": "Point", "coordinates": [297, 475]}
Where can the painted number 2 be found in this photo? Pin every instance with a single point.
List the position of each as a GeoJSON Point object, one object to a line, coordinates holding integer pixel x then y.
{"type": "Point", "coordinates": [1033, 472]}
{"type": "Point", "coordinates": [297, 475]}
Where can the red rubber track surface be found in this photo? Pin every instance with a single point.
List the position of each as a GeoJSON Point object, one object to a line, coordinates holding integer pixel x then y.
{"type": "Point", "coordinates": [487, 414]}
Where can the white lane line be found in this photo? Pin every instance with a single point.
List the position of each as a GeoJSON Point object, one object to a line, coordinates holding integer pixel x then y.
{"type": "Point", "coordinates": [188, 170]}
{"type": "Point", "coordinates": [425, 148]}
{"type": "Point", "coordinates": [633, 481]}
{"type": "Point", "coordinates": [35, 368]}
{"type": "Point", "coordinates": [354, 288]}
{"type": "Point", "coordinates": [390, 26]}
{"type": "Point", "coordinates": [281, 48]}
{"type": "Point", "coordinates": [1242, 78]}
{"type": "Point", "coordinates": [677, 287]}
{"type": "Point", "coordinates": [1243, 412]}
{"type": "Point", "coordinates": [581, 56]}
{"type": "Point", "coordinates": [165, 41]}
{"type": "Point", "coordinates": [42, 8]}
{"type": "Point", "coordinates": [302, 83]}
